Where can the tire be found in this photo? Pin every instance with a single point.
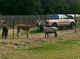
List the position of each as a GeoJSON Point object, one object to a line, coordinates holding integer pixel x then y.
{"type": "Point", "coordinates": [72, 25]}
{"type": "Point", "coordinates": [54, 24]}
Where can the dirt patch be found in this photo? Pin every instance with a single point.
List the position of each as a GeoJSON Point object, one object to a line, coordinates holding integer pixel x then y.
{"type": "Point", "coordinates": [62, 34]}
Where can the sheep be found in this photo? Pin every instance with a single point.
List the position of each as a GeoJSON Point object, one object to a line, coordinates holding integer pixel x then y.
{"type": "Point", "coordinates": [47, 29]}
{"type": "Point", "coordinates": [50, 30]}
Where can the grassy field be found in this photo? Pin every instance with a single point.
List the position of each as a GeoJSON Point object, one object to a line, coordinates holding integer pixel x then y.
{"type": "Point", "coordinates": [46, 49]}
{"type": "Point", "coordinates": [66, 46]}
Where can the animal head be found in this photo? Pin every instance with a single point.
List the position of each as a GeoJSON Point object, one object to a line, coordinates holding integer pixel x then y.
{"type": "Point", "coordinates": [42, 24]}
{"type": "Point", "coordinates": [3, 21]}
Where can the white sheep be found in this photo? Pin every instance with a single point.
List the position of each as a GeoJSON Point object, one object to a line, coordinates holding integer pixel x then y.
{"type": "Point", "coordinates": [48, 30]}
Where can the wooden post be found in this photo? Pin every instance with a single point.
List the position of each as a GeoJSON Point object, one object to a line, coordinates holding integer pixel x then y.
{"type": "Point", "coordinates": [13, 27]}
{"type": "Point", "coordinates": [75, 21]}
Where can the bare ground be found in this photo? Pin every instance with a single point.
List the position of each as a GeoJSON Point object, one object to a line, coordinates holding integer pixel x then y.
{"type": "Point", "coordinates": [62, 35]}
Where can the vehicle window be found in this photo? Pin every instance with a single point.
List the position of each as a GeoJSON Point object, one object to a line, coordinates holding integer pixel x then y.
{"type": "Point", "coordinates": [63, 17]}
{"type": "Point", "coordinates": [70, 17]}
{"type": "Point", "coordinates": [54, 17]}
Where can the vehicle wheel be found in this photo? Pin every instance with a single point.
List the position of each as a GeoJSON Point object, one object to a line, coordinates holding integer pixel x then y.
{"type": "Point", "coordinates": [72, 25]}
{"type": "Point", "coordinates": [54, 24]}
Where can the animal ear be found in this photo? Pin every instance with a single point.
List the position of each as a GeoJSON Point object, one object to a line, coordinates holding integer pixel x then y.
{"type": "Point", "coordinates": [5, 20]}
{"type": "Point", "coordinates": [1, 21]}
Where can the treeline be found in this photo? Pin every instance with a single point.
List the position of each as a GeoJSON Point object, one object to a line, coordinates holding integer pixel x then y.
{"type": "Point", "coordinates": [39, 7]}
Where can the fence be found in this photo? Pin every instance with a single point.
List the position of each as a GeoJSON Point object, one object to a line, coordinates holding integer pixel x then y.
{"type": "Point", "coordinates": [23, 19]}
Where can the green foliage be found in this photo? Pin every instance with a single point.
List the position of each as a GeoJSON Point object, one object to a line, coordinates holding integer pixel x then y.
{"type": "Point", "coordinates": [38, 7]}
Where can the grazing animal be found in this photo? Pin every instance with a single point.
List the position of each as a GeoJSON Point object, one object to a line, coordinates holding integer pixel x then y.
{"type": "Point", "coordinates": [48, 29]}
{"type": "Point", "coordinates": [24, 27]}
{"type": "Point", "coordinates": [5, 29]}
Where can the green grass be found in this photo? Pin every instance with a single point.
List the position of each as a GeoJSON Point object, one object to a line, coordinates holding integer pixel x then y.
{"type": "Point", "coordinates": [35, 30]}
{"type": "Point", "coordinates": [61, 49]}
{"type": "Point", "coordinates": [78, 25]}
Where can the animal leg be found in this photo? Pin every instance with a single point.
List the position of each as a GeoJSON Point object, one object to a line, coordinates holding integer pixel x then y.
{"type": "Point", "coordinates": [18, 30]}
{"type": "Point", "coordinates": [6, 34]}
{"type": "Point", "coordinates": [55, 34]}
{"type": "Point", "coordinates": [3, 34]}
{"type": "Point", "coordinates": [46, 35]}
{"type": "Point", "coordinates": [17, 34]}
{"type": "Point", "coordinates": [27, 34]}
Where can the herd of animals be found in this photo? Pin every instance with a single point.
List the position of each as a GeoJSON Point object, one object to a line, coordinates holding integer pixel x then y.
{"type": "Point", "coordinates": [46, 29]}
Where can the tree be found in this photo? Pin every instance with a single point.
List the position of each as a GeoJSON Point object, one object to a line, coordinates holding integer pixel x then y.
{"type": "Point", "coordinates": [73, 6]}
{"type": "Point", "coordinates": [38, 7]}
